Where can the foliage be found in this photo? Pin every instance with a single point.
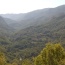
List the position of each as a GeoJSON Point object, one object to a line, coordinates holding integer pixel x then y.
{"type": "Point", "coordinates": [27, 62]}
{"type": "Point", "coordinates": [2, 59]}
{"type": "Point", "coordinates": [52, 54]}
{"type": "Point", "coordinates": [29, 42]}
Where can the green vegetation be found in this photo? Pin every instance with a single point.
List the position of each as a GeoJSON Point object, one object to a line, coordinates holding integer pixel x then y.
{"type": "Point", "coordinates": [52, 54]}
{"type": "Point", "coordinates": [28, 43]}
{"type": "Point", "coordinates": [23, 47]}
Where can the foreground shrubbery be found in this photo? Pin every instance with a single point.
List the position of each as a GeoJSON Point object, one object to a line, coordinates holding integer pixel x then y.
{"type": "Point", "coordinates": [52, 54]}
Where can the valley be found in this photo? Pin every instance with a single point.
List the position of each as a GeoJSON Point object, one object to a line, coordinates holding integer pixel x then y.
{"type": "Point", "coordinates": [25, 35]}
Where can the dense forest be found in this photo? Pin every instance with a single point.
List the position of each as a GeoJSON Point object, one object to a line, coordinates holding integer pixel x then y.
{"type": "Point", "coordinates": [34, 38]}
{"type": "Point", "coordinates": [52, 54]}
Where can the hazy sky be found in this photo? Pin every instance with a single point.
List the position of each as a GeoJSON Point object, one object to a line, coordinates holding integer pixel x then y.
{"type": "Point", "coordinates": [23, 6]}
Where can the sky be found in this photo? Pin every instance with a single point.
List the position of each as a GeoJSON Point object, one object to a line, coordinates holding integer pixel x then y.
{"type": "Point", "coordinates": [24, 6]}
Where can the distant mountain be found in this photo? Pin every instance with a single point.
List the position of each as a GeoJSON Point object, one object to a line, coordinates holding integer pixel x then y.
{"type": "Point", "coordinates": [13, 16]}
{"type": "Point", "coordinates": [39, 17]}
{"type": "Point", "coordinates": [9, 21]}
{"type": "Point", "coordinates": [4, 28]}
{"type": "Point", "coordinates": [44, 12]}
{"type": "Point", "coordinates": [34, 18]}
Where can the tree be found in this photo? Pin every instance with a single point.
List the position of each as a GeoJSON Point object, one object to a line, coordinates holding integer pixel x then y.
{"type": "Point", "coordinates": [62, 62]}
{"type": "Point", "coordinates": [52, 54]}
{"type": "Point", "coordinates": [27, 62]}
{"type": "Point", "coordinates": [2, 59]}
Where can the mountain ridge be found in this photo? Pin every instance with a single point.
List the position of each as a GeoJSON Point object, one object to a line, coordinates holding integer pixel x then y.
{"type": "Point", "coordinates": [39, 29]}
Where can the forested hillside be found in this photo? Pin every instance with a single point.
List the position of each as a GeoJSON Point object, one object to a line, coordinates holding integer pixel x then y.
{"type": "Point", "coordinates": [23, 37]}
{"type": "Point", "coordinates": [36, 37]}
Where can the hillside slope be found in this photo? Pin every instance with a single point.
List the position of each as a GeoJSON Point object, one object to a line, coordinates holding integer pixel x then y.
{"type": "Point", "coordinates": [35, 37]}
{"type": "Point", "coordinates": [4, 28]}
